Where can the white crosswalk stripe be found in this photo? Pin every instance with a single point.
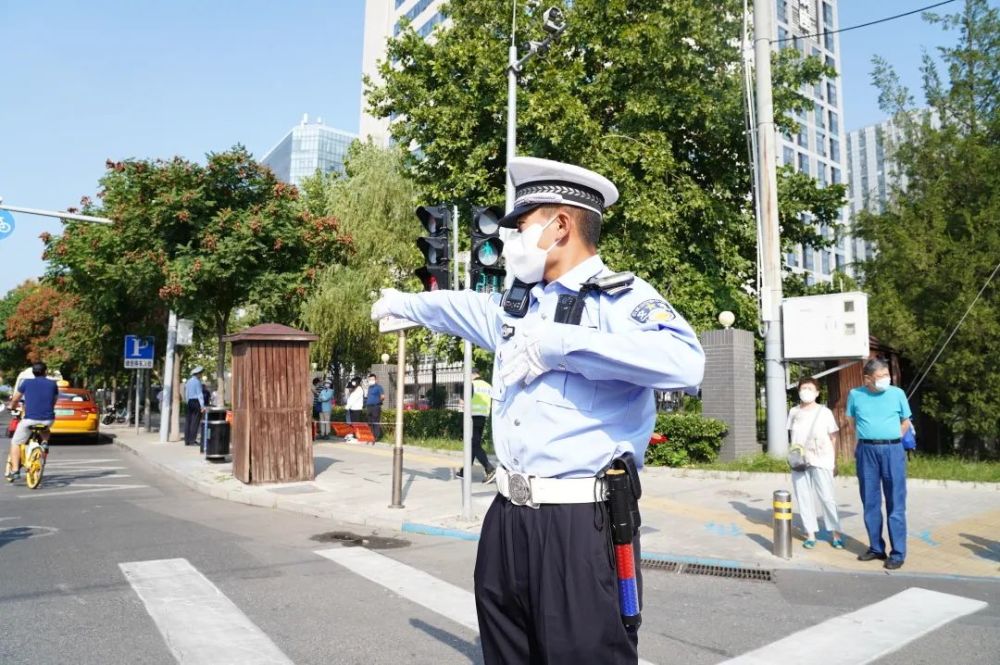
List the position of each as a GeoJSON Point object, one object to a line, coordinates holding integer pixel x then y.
{"type": "Point", "coordinates": [200, 625]}
{"type": "Point", "coordinates": [413, 584]}
{"type": "Point", "coordinates": [866, 634]}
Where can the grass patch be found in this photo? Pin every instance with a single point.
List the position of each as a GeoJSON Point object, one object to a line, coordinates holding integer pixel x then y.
{"type": "Point", "coordinates": [438, 443]}
{"type": "Point", "coordinates": [921, 466]}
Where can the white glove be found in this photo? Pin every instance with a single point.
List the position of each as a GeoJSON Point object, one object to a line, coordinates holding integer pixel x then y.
{"type": "Point", "coordinates": [521, 359]}
{"type": "Point", "coordinates": [387, 305]}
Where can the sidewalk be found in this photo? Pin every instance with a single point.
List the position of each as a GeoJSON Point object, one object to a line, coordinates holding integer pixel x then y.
{"type": "Point", "coordinates": [954, 528]}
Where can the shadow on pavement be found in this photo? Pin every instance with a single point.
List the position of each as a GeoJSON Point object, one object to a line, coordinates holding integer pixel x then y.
{"type": "Point", "coordinates": [54, 480]}
{"type": "Point", "coordinates": [984, 548]}
{"type": "Point", "coordinates": [13, 533]}
{"type": "Point", "coordinates": [471, 650]}
{"type": "Point", "coordinates": [324, 463]}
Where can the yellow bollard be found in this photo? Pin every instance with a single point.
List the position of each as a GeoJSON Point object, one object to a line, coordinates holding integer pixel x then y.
{"type": "Point", "coordinates": [782, 544]}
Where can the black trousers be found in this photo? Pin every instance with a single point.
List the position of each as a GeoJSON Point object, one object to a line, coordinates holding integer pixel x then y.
{"type": "Point", "coordinates": [478, 454]}
{"type": "Point", "coordinates": [547, 589]}
{"type": "Point", "coordinates": [374, 416]}
{"type": "Point", "coordinates": [192, 422]}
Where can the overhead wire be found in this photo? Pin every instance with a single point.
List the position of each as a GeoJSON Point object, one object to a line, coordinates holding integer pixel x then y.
{"type": "Point", "coordinates": [864, 25]}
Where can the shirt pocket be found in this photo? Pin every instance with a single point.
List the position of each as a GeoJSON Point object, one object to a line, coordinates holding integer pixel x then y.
{"type": "Point", "coordinates": [566, 390]}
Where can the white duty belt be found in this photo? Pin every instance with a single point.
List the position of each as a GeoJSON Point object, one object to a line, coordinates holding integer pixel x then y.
{"type": "Point", "coordinates": [532, 491]}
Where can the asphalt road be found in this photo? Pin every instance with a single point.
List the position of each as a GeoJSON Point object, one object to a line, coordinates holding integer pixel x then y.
{"type": "Point", "coordinates": [65, 598]}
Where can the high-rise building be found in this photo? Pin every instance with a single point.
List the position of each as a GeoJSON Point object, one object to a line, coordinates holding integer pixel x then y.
{"type": "Point", "coordinates": [816, 150]}
{"type": "Point", "coordinates": [383, 19]}
{"type": "Point", "coordinates": [306, 148]}
{"type": "Point", "coordinates": [870, 173]}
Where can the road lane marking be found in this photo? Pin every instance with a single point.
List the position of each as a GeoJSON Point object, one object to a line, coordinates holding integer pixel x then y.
{"type": "Point", "coordinates": [55, 493]}
{"type": "Point", "coordinates": [412, 583]}
{"type": "Point", "coordinates": [199, 624]}
{"type": "Point", "coordinates": [866, 634]}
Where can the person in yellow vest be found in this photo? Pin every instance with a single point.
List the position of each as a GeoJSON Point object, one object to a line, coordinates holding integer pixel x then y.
{"type": "Point", "coordinates": [481, 402]}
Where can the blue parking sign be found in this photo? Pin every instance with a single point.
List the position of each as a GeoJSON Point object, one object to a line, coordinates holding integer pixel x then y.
{"type": "Point", "coordinates": [139, 352]}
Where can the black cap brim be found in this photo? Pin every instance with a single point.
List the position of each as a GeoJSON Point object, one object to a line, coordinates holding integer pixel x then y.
{"type": "Point", "coordinates": [509, 221]}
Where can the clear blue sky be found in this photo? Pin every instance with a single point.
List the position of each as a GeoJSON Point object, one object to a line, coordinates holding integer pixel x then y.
{"type": "Point", "coordinates": [87, 81]}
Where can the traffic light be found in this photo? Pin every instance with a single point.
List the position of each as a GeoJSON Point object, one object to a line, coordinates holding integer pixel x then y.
{"type": "Point", "coordinates": [435, 274]}
{"type": "Point", "coordinates": [487, 275]}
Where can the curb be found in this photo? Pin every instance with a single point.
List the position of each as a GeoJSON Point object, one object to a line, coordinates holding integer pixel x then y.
{"type": "Point", "coordinates": [710, 474]}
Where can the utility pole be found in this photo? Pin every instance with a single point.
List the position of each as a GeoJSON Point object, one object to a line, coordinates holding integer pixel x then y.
{"type": "Point", "coordinates": [467, 410]}
{"type": "Point", "coordinates": [167, 394]}
{"type": "Point", "coordinates": [774, 371]}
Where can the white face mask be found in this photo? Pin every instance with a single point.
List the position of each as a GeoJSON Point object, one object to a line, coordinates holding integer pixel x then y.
{"type": "Point", "coordinates": [883, 383]}
{"type": "Point", "coordinates": [523, 255]}
{"type": "Point", "coordinates": [808, 396]}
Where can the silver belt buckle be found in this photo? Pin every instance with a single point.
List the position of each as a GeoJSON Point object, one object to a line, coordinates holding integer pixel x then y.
{"type": "Point", "coordinates": [519, 485]}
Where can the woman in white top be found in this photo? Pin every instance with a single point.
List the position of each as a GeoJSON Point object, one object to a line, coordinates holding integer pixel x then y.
{"type": "Point", "coordinates": [355, 400]}
{"type": "Point", "coordinates": [813, 427]}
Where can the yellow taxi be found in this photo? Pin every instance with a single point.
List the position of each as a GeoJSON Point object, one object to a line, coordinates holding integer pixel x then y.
{"type": "Point", "coordinates": [77, 414]}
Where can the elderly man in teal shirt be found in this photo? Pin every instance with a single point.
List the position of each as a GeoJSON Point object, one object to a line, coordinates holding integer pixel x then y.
{"type": "Point", "coordinates": [881, 415]}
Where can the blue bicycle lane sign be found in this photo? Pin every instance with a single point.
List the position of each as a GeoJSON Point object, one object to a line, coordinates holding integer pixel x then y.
{"type": "Point", "coordinates": [6, 224]}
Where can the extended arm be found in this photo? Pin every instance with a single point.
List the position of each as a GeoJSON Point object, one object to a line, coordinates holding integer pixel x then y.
{"type": "Point", "coordinates": [466, 314]}
{"type": "Point", "coordinates": [664, 359]}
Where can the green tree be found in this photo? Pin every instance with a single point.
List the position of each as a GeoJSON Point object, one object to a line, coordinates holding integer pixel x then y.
{"type": "Point", "coordinates": [13, 356]}
{"type": "Point", "coordinates": [939, 240]}
{"type": "Point", "coordinates": [373, 203]}
{"type": "Point", "coordinates": [201, 239]}
{"type": "Point", "coordinates": [648, 93]}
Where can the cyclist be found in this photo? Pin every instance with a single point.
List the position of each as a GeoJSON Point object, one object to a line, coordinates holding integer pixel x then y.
{"type": "Point", "coordinates": [39, 395]}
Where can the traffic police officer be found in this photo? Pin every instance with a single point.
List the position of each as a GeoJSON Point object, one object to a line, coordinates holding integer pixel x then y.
{"type": "Point", "coordinates": [579, 352]}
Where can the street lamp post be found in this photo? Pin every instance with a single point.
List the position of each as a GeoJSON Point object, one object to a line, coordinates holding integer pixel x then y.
{"type": "Point", "coordinates": [555, 24]}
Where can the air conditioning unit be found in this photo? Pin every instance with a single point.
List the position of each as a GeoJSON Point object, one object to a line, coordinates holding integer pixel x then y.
{"type": "Point", "coordinates": [826, 327]}
{"type": "Point", "coordinates": [806, 20]}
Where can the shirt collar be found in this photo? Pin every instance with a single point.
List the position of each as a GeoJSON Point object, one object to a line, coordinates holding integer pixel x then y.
{"type": "Point", "coordinates": [580, 273]}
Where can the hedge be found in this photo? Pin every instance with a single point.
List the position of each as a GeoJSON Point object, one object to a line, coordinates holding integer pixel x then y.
{"type": "Point", "coordinates": [690, 438]}
{"type": "Point", "coordinates": [429, 424]}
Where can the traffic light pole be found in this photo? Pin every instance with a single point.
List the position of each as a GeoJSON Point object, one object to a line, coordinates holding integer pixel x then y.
{"type": "Point", "coordinates": [467, 413]}
{"type": "Point", "coordinates": [397, 449]}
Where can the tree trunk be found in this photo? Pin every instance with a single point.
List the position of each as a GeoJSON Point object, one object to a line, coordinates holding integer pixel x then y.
{"type": "Point", "coordinates": [221, 327]}
{"type": "Point", "coordinates": [130, 399]}
{"type": "Point", "coordinates": [175, 408]}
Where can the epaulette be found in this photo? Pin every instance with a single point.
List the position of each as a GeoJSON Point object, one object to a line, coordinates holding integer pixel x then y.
{"type": "Point", "coordinates": [613, 285]}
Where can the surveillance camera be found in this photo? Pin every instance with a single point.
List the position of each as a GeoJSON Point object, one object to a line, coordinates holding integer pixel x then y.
{"type": "Point", "coordinates": [555, 22]}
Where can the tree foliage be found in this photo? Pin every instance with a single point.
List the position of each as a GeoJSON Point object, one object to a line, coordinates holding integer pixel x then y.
{"type": "Point", "coordinates": [648, 93]}
{"type": "Point", "coordinates": [373, 203]}
{"type": "Point", "coordinates": [939, 239]}
{"type": "Point", "coordinates": [201, 239]}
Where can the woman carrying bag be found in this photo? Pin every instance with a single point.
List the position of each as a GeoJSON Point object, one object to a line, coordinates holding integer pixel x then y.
{"type": "Point", "coordinates": [812, 456]}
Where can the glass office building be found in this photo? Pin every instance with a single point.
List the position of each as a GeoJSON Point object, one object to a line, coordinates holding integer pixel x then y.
{"type": "Point", "coordinates": [817, 149]}
{"type": "Point", "coordinates": [308, 147]}
{"type": "Point", "coordinates": [383, 19]}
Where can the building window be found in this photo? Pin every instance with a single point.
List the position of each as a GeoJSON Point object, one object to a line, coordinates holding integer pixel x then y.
{"type": "Point", "coordinates": [820, 143]}
{"type": "Point", "coordinates": [841, 262]}
{"type": "Point", "coordinates": [803, 136]}
{"type": "Point", "coordinates": [792, 258]}
{"type": "Point", "coordinates": [827, 15]}
{"type": "Point", "coordinates": [821, 173]}
{"type": "Point", "coordinates": [787, 155]}
{"type": "Point", "coordinates": [834, 175]}
{"type": "Point", "coordinates": [834, 126]}
{"type": "Point", "coordinates": [820, 113]}
{"type": "Point", "coordinates": [831, 93]}
{"type": "Point", "coordinates": [804, 163]}
{"type": "Point", "coordinates": [834, 150]}
{"type": "Point", "coordinates": [782, 10]}
{"type": "Point", "coordinates": [825, 265]}
{"type": "Point", "coordinates": [831, 63]}
{"type": "Point", "coordinates": [807, 258]}
{"type": "Point", "coordinates": [782, 37]}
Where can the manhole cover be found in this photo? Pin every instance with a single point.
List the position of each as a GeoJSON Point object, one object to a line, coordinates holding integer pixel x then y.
{"type": "Point", "coordinates": [371, 542]}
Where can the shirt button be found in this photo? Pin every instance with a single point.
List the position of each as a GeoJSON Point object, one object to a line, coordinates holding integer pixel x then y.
{"type": "Point", "coordinates": [562, 366]}
{"type": "Point", "coordinates": [544, 316]}
{"type": "Point", "coordinates": [517, 422]}
{"type": "Point", "coordinates": [515, 461]}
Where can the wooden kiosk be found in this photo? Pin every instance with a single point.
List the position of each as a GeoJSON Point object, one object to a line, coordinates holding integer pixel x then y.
{"type": "Point", "coordinates": [272, 404]}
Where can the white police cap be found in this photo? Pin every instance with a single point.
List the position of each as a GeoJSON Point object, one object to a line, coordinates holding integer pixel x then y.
{"type": "Point", "coordinates": [539, 182]}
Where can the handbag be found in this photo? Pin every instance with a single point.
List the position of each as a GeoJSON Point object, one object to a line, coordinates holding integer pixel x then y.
{"type": "Point", "coordinates": [797, 452]}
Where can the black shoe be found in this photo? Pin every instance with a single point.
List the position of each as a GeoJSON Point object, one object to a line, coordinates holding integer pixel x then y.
{"type": "Point", "coordinates": [460, 473]}
{"type": "Point", "coordinates": [871, 556]}
{"type": "Point", "coordinates": [893, 564]}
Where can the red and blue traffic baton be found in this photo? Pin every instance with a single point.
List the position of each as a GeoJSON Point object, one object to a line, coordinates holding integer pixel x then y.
{"type": "Point", "coordinates": [620, 499]}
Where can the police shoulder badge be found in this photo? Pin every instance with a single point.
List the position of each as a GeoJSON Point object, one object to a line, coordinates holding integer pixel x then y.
{"type": "Point", "coordinates": [654, 310]}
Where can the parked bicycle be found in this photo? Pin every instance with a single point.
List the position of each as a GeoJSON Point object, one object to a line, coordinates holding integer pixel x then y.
{"type": "Point", "coordinates": [33, 453]}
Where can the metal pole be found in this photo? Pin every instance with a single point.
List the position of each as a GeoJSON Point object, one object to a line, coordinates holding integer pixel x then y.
{"type": "Point", "coordinates": [774, 374]}
{"type": "Point", "coordinates": [58, 214]}
{"type": "Point", "coordinates": [511, 120]}
{"type": "Point", "coordinates": [397, 450]}
{"type": "Point", "coordinates": [467, 418]}
{"type": "Point", "coordinates": [145, 393]}
{"type": "Point", "coordinates": [138, 393]}
{"type": "Point", "coordinates": [166, 395]}
{"type": "Point", "coordinates": [454, 242]}
{"type": "Point", "coordinates": [782, 545]}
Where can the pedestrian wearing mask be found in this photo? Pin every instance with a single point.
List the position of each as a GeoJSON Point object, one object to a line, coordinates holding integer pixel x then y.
{"type": "Point", "coordinates": [355, 400]}
{"type": "Point", "coordinates": [325, 407]}
{"type": "Point", "coordinates": [881, 415]}
{"type": "Point", "coordinates": [812, 427]}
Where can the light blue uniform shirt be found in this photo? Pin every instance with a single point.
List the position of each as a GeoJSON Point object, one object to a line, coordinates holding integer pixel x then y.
{"type": "Point", "coordinates": [192, 390]}
{"type": "Point", "coordinates": [878, 415]}
{"type": "Point", "coordinates": [597, 402]}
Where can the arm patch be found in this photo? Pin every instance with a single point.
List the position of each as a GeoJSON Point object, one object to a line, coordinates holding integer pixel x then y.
{"type": "Point", "coordinates": [654, 310]}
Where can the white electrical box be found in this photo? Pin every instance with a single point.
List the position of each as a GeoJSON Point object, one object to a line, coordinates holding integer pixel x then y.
{"type": "Point", "coordinates": [825, 327]}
